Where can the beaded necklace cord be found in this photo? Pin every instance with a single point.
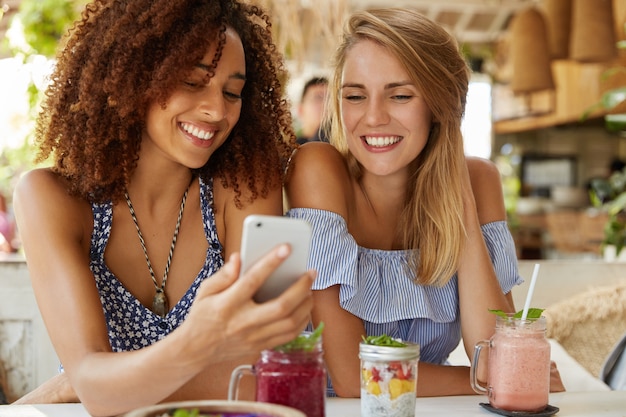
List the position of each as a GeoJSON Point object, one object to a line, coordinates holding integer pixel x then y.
{"type": "Point", "coordinates": [159, 303]}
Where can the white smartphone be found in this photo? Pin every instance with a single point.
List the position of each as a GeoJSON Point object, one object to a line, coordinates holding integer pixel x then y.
{"type": "Point", "coordinates": [261, 233]}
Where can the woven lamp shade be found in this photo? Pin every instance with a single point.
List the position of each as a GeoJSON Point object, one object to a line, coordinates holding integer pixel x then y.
{"type": "Point", "coordinates": [593, 31]}
{"type": "Point", "coordinates": [530, 54]}
{"type": "Point", "coordinates": [558, 21]}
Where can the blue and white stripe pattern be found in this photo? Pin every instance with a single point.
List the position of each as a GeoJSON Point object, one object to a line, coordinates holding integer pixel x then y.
{"type": "Point", "coordinates": [378, 286]}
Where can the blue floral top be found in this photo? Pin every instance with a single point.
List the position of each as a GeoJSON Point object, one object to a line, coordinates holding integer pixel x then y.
{"type": "Point", "coordinates": [132, 326]}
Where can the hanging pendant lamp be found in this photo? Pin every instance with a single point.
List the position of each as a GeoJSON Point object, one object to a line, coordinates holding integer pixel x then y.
{"type": "Point", "coordinates": [593, 31]}
{"type": "Point", "coordinates": [558, 22]}
{"type": "Point", "coordinates": [530, 53]}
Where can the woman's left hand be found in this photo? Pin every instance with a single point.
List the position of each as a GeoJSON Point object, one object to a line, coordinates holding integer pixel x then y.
{"type": "Point", "coordinates": [55, 390]}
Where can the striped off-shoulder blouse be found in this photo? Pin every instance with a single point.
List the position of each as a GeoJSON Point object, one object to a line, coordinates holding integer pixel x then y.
{"type": "Point", "coordinates": [378, 286]}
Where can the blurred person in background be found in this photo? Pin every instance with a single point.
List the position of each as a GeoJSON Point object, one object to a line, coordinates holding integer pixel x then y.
{"type": "Point", "coordinates": [311, 110]}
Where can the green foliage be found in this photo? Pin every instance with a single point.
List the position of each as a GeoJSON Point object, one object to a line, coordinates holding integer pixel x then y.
{"type": "Point", "coordinates": [606, 190]}
{"type": "Point", "coordinates": [182, 412]}
{"type": "Point", "coordinates": [195, 412]}
{"type": "Point", "coordinates": [383, 340]}
{"type": "Point", "coordinates": [45, 22]}
{"type": "Point", "coordinates": [304, 342]}
{"type": "Point", "coordinates": [14, 162]}
{"type": "Point", "coordinates": [611, 99]}
{"type": "Point", "coordinates": [615, 232]}
{"type": "Point", "coordinates": [610, 194]}
{"type": "Point", "coordinates": [533, 313]}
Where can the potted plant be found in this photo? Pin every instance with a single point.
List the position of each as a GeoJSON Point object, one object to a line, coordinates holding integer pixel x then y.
{"type": "Point", "coordinates": [610, 195]}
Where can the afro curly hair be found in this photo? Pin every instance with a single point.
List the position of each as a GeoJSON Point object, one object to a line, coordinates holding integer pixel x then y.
{"type": "Point", "coordinates": [122, 56]}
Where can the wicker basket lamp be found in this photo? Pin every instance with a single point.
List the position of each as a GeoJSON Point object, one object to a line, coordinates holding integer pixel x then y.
{"type": "Point", "coordinates": [593, 31]}
{"type": "Point", "coordinates": [558, 15]}
{"type": "Point", "coordinates": [530, 55]}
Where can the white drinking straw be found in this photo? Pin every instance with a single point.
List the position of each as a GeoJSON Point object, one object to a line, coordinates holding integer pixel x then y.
{"type": "Point", "coordinates": [531, 289]}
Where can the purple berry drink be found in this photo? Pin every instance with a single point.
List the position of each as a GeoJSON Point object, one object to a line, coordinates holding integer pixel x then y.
{"type": "Point", "coordinates": [296, 379]}
{"type": "Point", "coordinates": [292, 374]}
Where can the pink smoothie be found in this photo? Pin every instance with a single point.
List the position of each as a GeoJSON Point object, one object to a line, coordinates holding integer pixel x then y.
{"type": "Point", "coordinates": [519, 371]}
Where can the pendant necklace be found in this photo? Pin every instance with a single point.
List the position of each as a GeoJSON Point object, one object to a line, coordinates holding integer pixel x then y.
{"type": "Point", "coordinates": [160, 306]}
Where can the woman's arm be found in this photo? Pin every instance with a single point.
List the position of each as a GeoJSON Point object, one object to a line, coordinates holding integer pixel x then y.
{"type": "Point", "coordinates": [486, 182]}
{"type": "Point", "coordinates": [479, 289]}
{"type": "Point", "coordinates": [318, 179]}
{"type": "Point", "coordinates": [487, 189]}
{"type": "Point", "coordinates": [224, 323]}
{"type": "Point", "coordinates": [343, 332]}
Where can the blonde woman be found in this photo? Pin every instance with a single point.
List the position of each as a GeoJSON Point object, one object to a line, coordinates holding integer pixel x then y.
{"type": "Point", "coordinates": [410, 237]}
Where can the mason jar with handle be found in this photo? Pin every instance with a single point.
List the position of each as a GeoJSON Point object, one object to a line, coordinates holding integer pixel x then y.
{"type": "Point", "coordinates": [295, 378]}
{"type": "Point", "coordinates": [518, 367]}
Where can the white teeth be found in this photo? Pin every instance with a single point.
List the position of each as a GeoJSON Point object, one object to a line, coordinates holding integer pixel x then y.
{"type": "Point", "coordinates": [199, 133]}
{"type": "Point", "coordinates": [382, 141]}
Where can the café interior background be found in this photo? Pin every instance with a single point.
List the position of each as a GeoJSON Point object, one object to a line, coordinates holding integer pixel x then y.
{"type": "Point", "coordinates": [546, 153]}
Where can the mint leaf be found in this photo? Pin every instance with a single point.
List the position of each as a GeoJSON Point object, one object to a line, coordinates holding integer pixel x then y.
{"type": "Point", "coordinates": [499, 313]}
{"type": "Point", "coordinates": [304, 342]}
{"type": "Point", "coordinates": [533, 313]}
{"type": "Point", "coordinates": [182, 412]}
{"type": "Point", "coordinates": [383, 340]}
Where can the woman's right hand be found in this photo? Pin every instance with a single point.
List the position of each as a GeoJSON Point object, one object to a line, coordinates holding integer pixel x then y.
{"type": "Point", "coordinates": [225, 317]}
{"type": "Point", "coordinates": [556, 383]}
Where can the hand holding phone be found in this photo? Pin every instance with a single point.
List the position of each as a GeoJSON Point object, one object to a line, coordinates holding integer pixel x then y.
{"type": "Point", "coordinates": [261, 233]}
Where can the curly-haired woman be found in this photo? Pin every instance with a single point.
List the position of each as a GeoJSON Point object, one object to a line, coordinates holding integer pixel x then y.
{"type": "Point", "coordinates": [156, 119]}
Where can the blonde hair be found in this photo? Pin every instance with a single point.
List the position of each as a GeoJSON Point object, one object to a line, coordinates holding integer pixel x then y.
{"type": "Point", "coordinates": [432, 220]}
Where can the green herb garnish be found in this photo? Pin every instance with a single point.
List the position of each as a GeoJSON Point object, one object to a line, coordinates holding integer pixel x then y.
{"type": "Point", "coordinates": [383, 340]}
{"type": "Point", "coordinates": [193, 412]}
{"type": "Point", "coordinates": [304, 342]}
{"type": "Point", "coordinates": [533, 313]}
{"type": "Point", "coordinates": [182, 412]}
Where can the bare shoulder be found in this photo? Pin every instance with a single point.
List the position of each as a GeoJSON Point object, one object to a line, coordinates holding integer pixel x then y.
{"type": "Point", "coordinates": [481, 169]}
{"type": "Point", "coordinates": [321, 155]}
{"type": "Point", "coordinates": [41, 184]}
{"type": "Point", "coordinates": [41, 198]}
{"type": "Point", "coordinates": [318, 177]}
{"type": "Point", "coordinates": [487, 188]}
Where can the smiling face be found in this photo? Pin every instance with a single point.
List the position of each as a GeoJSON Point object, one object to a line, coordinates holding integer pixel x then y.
{"type": "Point", "coordinates": [385, 118]}
{"type": "Point", "coordinates": [198, 117]}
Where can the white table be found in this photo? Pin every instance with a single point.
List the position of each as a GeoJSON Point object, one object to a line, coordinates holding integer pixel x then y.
{"type": "Point", "coordinates": [571, 404]}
